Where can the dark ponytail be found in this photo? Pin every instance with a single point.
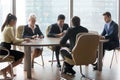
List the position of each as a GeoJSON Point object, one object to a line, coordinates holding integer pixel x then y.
{"type": "Point", "coordinates": [9, 18]}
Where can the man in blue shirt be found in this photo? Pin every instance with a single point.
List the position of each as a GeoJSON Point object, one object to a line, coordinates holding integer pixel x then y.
{"type": "Point", "coordinates": [110, 32]}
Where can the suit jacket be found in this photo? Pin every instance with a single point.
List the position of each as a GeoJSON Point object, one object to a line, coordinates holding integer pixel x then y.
{"type": "Point", "coordinates": [28, 33]}
{"type": "Point", "coordinates": [111, 34]}
{"type": "Point", "coordinates": [56, 30]}
{"type": "Point", "coordinates": [71, 35]}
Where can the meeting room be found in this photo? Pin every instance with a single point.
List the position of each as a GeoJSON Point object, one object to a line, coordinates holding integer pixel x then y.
{"type": "Point", "coordinates": [59, 40]}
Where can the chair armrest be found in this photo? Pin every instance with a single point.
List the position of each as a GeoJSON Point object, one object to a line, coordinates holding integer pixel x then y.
{"type": "Point", "coordinates": [4, 49]}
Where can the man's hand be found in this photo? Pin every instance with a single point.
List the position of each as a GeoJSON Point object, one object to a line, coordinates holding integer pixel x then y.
{"type": "Point", "coordinates": [60, 34]}
{"type": "Point", "coordinates": [101, 37]}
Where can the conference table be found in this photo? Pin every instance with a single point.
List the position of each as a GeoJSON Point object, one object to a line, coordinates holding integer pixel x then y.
{"type": "Point", "coordinates": [100, 53]}
{"type": "Point", "coordinates": [50, 42]}
{"type": "Point", "coordinates": [36, 42]}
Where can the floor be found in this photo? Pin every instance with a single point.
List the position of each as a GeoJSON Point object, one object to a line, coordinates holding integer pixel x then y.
{"type": "Point", "coordinates": [51, 72]}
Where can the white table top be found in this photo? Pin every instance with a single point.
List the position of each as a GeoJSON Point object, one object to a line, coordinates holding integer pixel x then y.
{"type": "Point", "coordinates": [47, 42]}
{"type": "Point", "coordinates": [42, 42]}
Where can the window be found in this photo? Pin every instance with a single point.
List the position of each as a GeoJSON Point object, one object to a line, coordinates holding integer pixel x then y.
{"type": "Point", "coordinates": [45, 10]}
{"type": "Point", "coordinates": [90, 12]}
{"type": "Point", "coordinates": [5, 8]}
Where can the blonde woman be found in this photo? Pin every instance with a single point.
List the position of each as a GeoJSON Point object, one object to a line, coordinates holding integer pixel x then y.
{"type": "Point", "coordinates": [32, 30]}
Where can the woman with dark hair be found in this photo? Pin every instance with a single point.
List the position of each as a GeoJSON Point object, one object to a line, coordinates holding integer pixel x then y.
{"type": "Point", "coordinates": [8, 39]}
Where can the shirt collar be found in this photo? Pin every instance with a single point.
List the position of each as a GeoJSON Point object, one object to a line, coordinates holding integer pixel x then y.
{"type": "Point", "coordinates": [60, 27]}
{"type": "Point", "coordinates": [30, 26]}
{"type": "Point", "coordinates": [109, 22]}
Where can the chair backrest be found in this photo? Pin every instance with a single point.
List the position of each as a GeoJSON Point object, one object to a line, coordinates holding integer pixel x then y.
{"type": "Point", "coordinates": [47, 30]}
{"type": "Point", "coordinates": [4, 58]}
{"type": "Point", "coordinates": [94, 32]}
{"type": "Point", "coordinates": [20, 31]}
{"type": "Point", "coordinates": [78, 35]}
{"type": "Point", "coordinates": [84, 51]}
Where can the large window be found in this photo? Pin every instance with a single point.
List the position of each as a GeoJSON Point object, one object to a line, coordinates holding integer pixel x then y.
{"type": "Point", "coordinates": [45, 10]}
{"type": "Point", "coordinates": [90, 12]}
{"type": "Point", "coordinates": [5, 8]}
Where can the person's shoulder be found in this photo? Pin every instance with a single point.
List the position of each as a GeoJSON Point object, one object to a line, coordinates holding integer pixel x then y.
{"type": "Point", "coordinates": [26, 26]}
{"type": "Point", "coordinates": [65, 24]}
{"type": "Point", "coordinates": [37, 25]}
{"type": "Point", "coordinates": [8, 28]}
{"type": "Point", "coordinates": [54, 25]}
{"type": "Point", "coordinates": [113, 22]}
{"type": "Point", "coordinates": [84, 28]}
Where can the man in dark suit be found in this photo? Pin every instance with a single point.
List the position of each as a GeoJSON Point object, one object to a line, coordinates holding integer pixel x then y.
{"type": "Point", "coordinates": [58, 30]}
{"type": "Point", "coordinates": [71, 36]}
{"type": "Point", "coordinates": [110, 32]}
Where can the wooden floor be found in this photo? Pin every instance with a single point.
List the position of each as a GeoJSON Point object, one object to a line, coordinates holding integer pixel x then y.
{"type": "Point", "coordinates": [48, 72]}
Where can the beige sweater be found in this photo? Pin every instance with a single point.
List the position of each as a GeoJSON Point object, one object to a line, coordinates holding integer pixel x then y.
{"type": "Point", "coordinates": [8, 36]}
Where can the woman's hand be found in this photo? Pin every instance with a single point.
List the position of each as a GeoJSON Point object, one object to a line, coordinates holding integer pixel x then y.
{"type": "Point", "coordinates": [41, 37]}
{"type": "Point", "coordinates": [35, 36]}
{"type": "Point", "coordinates": [27, 39]}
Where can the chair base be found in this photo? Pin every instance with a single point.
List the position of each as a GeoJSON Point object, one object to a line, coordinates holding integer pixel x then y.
{"type": "Point", "coordinates": [38, 63]}
{"type": "Point", "coordinates": [114, 54]}
{"type": "Point", "coordinates": [11, 74]}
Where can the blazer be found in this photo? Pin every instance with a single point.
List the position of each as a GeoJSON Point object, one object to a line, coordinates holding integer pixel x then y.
{"type": "Point", "coordinates": [71, 35]}
{"type": "Point", "coordinates": [28, 33]}
{"type": "Point", "coordinates": [111, 33]}
{"type": "Point", "coordinates": [54, 29]}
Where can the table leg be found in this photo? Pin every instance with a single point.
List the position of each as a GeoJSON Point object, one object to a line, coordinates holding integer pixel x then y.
{"type": "Point", "coordinates": [27, 61]}
{"type": "Point", "coordinates": [100, 56]}
{"type": "Point", "coordinates": [25, 57]}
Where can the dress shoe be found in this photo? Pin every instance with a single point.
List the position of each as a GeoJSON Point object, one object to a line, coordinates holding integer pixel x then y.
{"type": "Point", "coordinates": [58, 65]}
{"type": "Point", "coordinates": [69, 71]}
{"type": "Point", "coordinates": [95, 68]}
{"type": "Point", "coordinates": [72, 71]}
{"type": "Point", "coordinates": [94, 64]}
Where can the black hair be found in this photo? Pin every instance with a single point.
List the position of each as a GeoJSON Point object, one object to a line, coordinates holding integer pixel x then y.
{"type": "Point", "coordinates": [61, 17]}
{"type": "Point", "coordinates": [108, 14]}
{"type": "Point", "coordinates": [10, 17]}
{"type": "Point", "coordinates": [76, 21]}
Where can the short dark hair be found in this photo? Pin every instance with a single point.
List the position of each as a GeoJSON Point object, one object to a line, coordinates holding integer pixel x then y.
{"type": "Point", "coordinates": [76, 21]}
{"type": "Point", "coordinates": [108, 14]}
{"type": "Point", "coordinates": [61, 17]}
